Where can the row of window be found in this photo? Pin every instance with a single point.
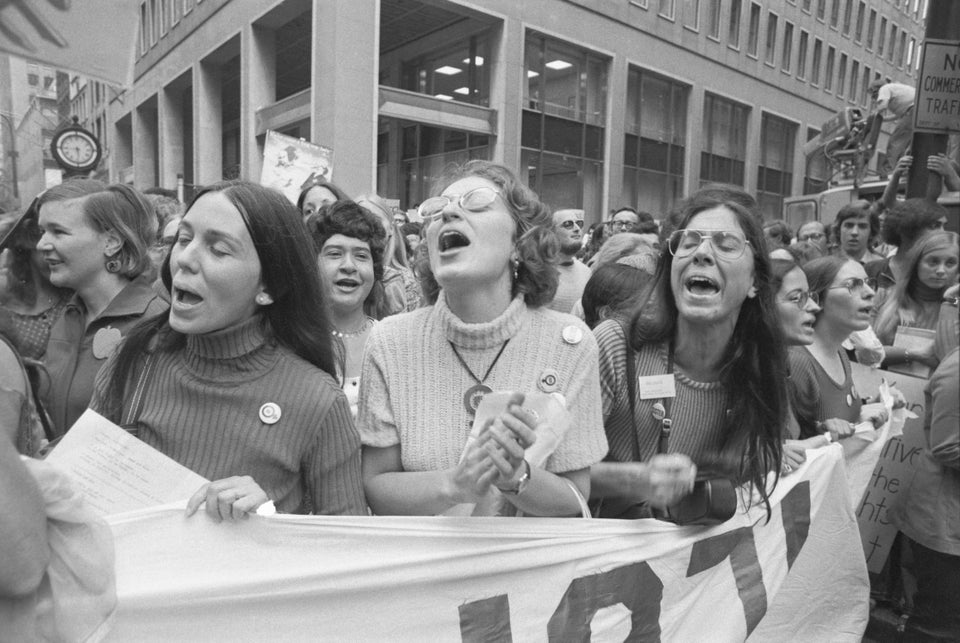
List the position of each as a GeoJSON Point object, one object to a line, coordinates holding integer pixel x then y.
{"type": "Point", "coordinates": [157, 17]}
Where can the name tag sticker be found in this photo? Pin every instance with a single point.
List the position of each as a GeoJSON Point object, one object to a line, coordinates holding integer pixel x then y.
{"type": "Point", "coordinates": [656, 386]}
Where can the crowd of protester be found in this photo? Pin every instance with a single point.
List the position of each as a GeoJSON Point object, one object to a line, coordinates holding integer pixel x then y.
{"type": "Point", "coordinates": [332, 356]}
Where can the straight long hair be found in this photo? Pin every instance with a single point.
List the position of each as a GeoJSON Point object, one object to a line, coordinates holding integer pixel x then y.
{"type": "Point", "coordinates": [753, 368]}
{"type": "Point", "coordinates": [297, 317]}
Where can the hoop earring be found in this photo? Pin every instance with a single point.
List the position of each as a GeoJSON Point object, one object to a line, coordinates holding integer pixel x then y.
{"type": "Point", "coordinates": [113, 264]}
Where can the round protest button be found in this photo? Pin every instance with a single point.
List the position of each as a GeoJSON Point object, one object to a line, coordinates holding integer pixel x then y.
{"type": "Point", "coordinates": [572, 334]}
{"type": "Point", "coordinates": [549, 381]}
{"type": "Point", "coordinates": [270, 413]}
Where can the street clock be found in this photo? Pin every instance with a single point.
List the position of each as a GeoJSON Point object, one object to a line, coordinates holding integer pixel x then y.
{"type": "Point", "coordinates": [75, 149]}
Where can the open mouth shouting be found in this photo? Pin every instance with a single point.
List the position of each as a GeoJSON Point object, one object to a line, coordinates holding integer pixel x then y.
{"type": "Point", "coordinates": [701, 286]}
{"type": "Point", "coordinates": [184, 298]}
{"type": "Point", "coordinates": [450, 240]}
{"type": "Point", "coordinates": [347, 284]}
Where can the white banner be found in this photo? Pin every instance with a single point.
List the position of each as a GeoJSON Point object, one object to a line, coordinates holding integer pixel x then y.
{"type": "Point", "coordinates": [289, 163]}
{"type": "Point", "coordinates": [799, 576]}
{"type": "Point", "coordinates": [94, 37]}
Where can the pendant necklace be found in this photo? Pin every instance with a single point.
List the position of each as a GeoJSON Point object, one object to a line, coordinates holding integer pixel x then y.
{"type": "Point", "coordinates": [474, 394]}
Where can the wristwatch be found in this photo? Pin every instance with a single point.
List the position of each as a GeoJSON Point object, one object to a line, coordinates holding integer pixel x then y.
{"type": "Point", "coordinates": [521, 483]}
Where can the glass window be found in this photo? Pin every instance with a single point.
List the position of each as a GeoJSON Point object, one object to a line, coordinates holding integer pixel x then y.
{"type": "Point", "coordinates": [691, 14]}
{"type": "Point", "coordinates": [459, 72]}
{"type": "Point", "coordinates": [847, 16]}
{"type": "Point", "coordinates": [881, 36]}
{"type": "Point", "coordinates": [723, 155]}
{"type": "Point", "coordinates": [821, 9]}
{"type": "Point", "coordinates": [842, 76]}
{"type": "Point", "coordinates": [818, 168]}
{"type": "Point", "coordinates": [667, 8]}
{"type": "Point", "coordinates": [858, 28]}
{"type": "Point", "coordinates": [835, 13]}
{"type": "Point", "coordinates": [871, 25]}
{"type": "Point", "coordinates": [770, 50]}
{"type": "Point", "coordinates": [902, 48]}
{"type": "Point", "coordinates": [733, 31]}
{"type": "Point", "coordinates": [854, 80]}
{"type": "Point", "coordinates": [654, 139]}
{"type": "Point", "coordinates": [806, 5]}
{"type": "Point", "coordinates": [787, 54]}
{"type": "Point", "coordinates": [865, 85]}
{"type": "Point", "coordinates": [753, 36]}
{"type": "Point", "coordinates": [802, 54]}
{"type": "Point", "coordinates": [828, 74]}
{"type": "Point", "coordinates": [892, 44]}
{"type": "Point", "coordinates": [775, 172]}
{"type": "Point", "coordinates": [910, 48]}
{"type": "Point", "coordinates": [713, 18]}
{"type": "Point", "coordinates": [815, 64]}
{"type": "Point", "coordinates": [563, 122]}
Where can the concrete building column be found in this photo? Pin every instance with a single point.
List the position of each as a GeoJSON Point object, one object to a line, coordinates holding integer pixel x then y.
{"type": "Point", "coordinates": [258, 81]}
{"type": "Point", "coordinates": [344, 96]}
{"type": "Point", "coordinates": [506, 91]}
{"type": "Point", "coordinates": [207, 124]}
{"type": "Point", "coordinates": [693, 143]}
{"type": "Point", "coordinates": [170, 137]}
{"type": "Point", "coordinates": [144, 145]}
{"type": "Point", "coordinates": [617, 88]}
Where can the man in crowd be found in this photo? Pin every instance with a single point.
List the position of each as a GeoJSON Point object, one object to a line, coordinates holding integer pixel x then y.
{"type": "Point", "coordinates": [573, 273]}
{"type": "Point", "coordinates": [897, 100]}
{"type": "Point", "coordinates": [856, 226]}
{"type": "Point", "coordinates": [815, 233]}
{"type": "Point", "coordinates": [625, 219]}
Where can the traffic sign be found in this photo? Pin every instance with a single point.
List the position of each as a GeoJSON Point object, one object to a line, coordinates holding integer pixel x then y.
{"type": "Point", "coordinates": [937, 106]}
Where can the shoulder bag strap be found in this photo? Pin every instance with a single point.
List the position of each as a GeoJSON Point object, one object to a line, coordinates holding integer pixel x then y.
{"type": "Point", "coordinates": [136, 402]}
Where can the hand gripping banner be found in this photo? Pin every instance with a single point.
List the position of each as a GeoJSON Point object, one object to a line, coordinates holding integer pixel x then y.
{"type": "Point", "coordinates": [799, 576]}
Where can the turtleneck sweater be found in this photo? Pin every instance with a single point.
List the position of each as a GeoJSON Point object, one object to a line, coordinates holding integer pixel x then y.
{"type": "Point", "coordinates": [202, 407]}
{"type": "Point", "coordinates": [412, 384]}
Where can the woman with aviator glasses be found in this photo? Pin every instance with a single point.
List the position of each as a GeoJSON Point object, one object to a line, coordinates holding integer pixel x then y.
{"type": "Point", "coordinates": [825, 396]}
{"type": "Point", "coordinates": [705, 350]}
{"type": "Point", "coordinates": [488, 269]}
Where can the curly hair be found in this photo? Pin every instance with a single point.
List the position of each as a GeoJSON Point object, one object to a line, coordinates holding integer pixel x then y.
{"type": "Point", "coordinates": [902, 306]}
{"type": "Point", "coordinates": [536, 240]}
{"type": "Point", "coordinates": [908, 219]}
{"type": "Point", "coordinates": [753, 370]}
{"type": "Point", "coordinates": [350, 219]}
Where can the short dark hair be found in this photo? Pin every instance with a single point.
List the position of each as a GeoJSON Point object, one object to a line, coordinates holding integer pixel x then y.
{"type": "Point", "coordinates": [613, 286]}
{"type": "Point", "coordinates": [859, 208]}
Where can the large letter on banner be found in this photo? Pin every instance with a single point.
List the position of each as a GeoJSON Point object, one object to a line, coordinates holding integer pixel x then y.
{"type": "Point", "coordinates": [304, 578]}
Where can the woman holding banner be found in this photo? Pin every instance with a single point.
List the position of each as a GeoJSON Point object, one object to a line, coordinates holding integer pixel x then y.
{"type": "Point", "coordinates": [490, 254]}
{"type": "Point", "coordinates": [706, 345]}
{"type": "Point", "coordinates": [825, 395]}
{"type": "Point", "coordinates": [237, 382]}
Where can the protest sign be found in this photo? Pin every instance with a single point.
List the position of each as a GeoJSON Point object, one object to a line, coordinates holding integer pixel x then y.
{"type": "Point", "coordinates": [289, 163]}
{"type": "Point", "coordinates": [800, 575]}
{"type": "Point", "coordinates": [895, 467]}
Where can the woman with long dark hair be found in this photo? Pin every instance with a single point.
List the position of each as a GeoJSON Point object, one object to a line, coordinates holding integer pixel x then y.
{"type": "Point", "coordinates": [707, 349]}
{"type": "Point", "coordinates": [489, 267]}
{"type": "Point", "coordinates": [237, 382]}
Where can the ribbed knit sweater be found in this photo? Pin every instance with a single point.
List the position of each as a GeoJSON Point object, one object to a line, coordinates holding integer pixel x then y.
{"type": "Point", "coordinates": [202, 404]}
{"type": "Point", "coordinates": [412, 385]}
{"type": "Point", "coordinates": [697, 410]}
{"type": "Point", "coordinates": [573, 279]}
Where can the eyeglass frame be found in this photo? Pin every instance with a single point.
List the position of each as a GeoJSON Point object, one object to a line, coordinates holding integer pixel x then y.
{"type": "Point", "coordinates": [854, 284]}
{"type": "Point", "coordinates": [804, 296]}
{"type": "Point", "coordinates": [678, 234]}
{"type": "Point", "coordinates": [458, 199]}
{"type": "Point", "coordinates": [816, 236]}
{"type": "Point", "coordinates": [570, 223]}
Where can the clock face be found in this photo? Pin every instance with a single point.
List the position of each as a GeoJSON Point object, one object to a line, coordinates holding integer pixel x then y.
{"type": "Point", "coordinates": [76, 149]}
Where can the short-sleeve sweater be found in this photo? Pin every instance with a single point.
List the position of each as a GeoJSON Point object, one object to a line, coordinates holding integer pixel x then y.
{"type": "Point", "coordinates": [412, 384]}
{"type": "Point", "coordinates": [697, 412]}
{"type": "Point", "coordinates": [202, 407]}
{"type": "Point", "coordinates": [819, 392]}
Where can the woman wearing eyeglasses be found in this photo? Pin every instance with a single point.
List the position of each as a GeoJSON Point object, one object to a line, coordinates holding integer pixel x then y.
{"type": "Point", "coordinates": [707, 355]}
{"type": "Point", "coordinates": [490, 255]}
{"type": "Point", "coordinates": [929, 268]}
{"type": "Point", "coordinates": [825, 396]}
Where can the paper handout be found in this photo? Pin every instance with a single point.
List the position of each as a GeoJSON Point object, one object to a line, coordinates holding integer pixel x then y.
{"type": "Point", "coordinates": [116, 471]}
